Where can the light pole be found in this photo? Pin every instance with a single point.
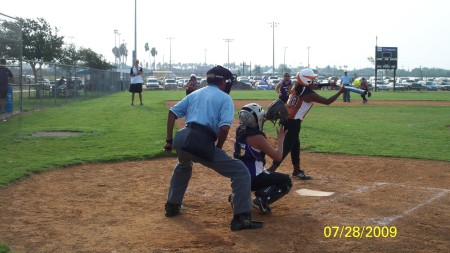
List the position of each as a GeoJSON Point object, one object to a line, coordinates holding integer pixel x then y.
{"type": "Point", "coordinates": [170, 52]}
{"type": "Point", "coordinates": [273, 25]}
{"type": "Point", "coordinates": [205, 55]}
{"type": "Point", "coordinates": [120, 60]}
{"type": "Point", "coordinates": [284, 60]}
{"type": "Point", "coordinates": [135, 33]}
{"type": "Point", "coordinates": [308, 47]}
{"type": "Point", "coordinates": [228, 41]}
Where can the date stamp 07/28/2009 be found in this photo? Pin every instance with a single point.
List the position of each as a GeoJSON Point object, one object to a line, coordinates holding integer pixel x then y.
{"type": "Point", "coordinates": [360, 231]}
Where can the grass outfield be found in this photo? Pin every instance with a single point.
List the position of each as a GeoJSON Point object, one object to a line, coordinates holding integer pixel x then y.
{"type": "Point", "coordinates": [111, 130]}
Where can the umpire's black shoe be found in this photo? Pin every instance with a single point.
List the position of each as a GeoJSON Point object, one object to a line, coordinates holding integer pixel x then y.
{"type": "Point", "coordinates": [172, 209]}
{"type": "Point", "coordinates": [244, 221]}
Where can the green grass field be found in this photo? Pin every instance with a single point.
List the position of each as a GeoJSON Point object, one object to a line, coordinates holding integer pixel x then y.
{"type": "Point", "coordinates": [111, 130]}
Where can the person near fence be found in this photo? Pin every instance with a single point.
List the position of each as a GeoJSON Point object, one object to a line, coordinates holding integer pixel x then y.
{"type": "Point", "coordinates": [209, 113]}
{"type": "Point", "coordinates": [136, 82]}
{"type": "Point", "coordinates": [5, 76]}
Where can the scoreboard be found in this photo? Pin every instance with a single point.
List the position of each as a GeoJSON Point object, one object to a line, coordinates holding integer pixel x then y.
{"type": "Point", "coordinates": [385, 57]}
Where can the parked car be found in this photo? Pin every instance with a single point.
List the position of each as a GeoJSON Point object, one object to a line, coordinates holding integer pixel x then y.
{"type": "Point", "coordinates": [398, 86]}
{"type": "Point", "coordinates": [380, 85]}
{"type": "Point", "coordinates": [444, 84]}
{"type": "Point", "coordinates": [244, 79]}
{"type": "Point", "coordinates": [416, 85]}
{"type": "Point", "coordinates": [255, 80]}
{"type": "Point", "coordinates": [263, 85]}
{"type": "Point", "coordinates": [390, 84]}
{"type": "Point", "coordinates": [152, 84]}
{"type": "Point", "coordinates": [429, 85]}
{"type": "Point", "coordinates": [44, 84]}
{"type": "Point", "coordinates": [170, 84]}
{"type": "Point", "coordinates": [182, 82]}
{"type": "Point", "coordinates": [273, 82]}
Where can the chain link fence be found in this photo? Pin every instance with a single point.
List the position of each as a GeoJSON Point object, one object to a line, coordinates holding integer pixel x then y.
{"type": "Point", "coordinates": [56, 84]}
{"type": "Point", "coordinates": [51, 84]}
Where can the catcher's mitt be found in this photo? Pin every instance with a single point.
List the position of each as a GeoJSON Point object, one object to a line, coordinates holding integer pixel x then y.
{"type": "Point", "coordinates": [276, 110]}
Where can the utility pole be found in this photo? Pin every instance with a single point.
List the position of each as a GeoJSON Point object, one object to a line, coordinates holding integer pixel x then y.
{"type": "Point", "coordinates": [135, 33]}
{"type": "Point", "coordinates": [120, 58]}
{"type": "Point", "coordinates": [284, 60]}
{"type": "Point", "coordinates": [273, 25]}
{"type": "Point", "coordinates": [228, 41]}
{"type": "Point", "coordinates": [308, 54]}
{"type": "Point", "coordinates": [170, 52]}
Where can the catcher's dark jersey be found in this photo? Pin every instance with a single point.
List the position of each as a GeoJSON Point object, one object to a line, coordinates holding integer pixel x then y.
{"type": "Point", "coordinates": [252, 158]}
{"type": "Point", "coordinates": [297, 108]}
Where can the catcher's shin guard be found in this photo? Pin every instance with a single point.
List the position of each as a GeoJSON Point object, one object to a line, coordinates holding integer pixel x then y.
{"type": "Point", "coordinates": [273, 193]}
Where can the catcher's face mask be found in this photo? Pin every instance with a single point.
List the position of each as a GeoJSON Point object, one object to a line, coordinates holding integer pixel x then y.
{"type": "Point", "coordinates": [252, 115]}
{"type": "Point", "coordinates": [218, 74]}
{"type": "Point", "coordinates": [230, 82]}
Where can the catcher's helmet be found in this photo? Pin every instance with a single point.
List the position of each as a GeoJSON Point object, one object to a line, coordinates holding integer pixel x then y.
{"type": "Point", "coordinates": [306, 77]}
{"type": "Point", "coordinates": [252, 115]}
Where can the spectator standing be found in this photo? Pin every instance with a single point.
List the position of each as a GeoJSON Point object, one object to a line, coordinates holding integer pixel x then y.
{"type": "Point", "coordinates": [136, 82]}
{"type": "Point", "coordinates": [209, 113]}
{"type": "Point", "coordinates": [5, 76]}
{"type": "Point", "coordinates": [284, 87]}
{"type": "Point", "coordinates": [346, 80]}
{"type": "Point", "coordinates": [191, 85]}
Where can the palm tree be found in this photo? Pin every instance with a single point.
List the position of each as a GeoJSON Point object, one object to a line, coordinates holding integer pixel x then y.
{"type": "Point", "coordinates": [116, 53]}
{"type": "Point", "coordinates": [147, 49]}
{"type": "Point", "coordinates": [154, 53]}
{"type": "Point", "coordinates": [123, 51]}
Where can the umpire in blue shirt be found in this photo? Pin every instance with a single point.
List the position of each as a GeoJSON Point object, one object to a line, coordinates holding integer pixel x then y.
{"type": "Point", "coordinates": [209, 108]}
{"type": "Point", "coordinates": [346, 80]}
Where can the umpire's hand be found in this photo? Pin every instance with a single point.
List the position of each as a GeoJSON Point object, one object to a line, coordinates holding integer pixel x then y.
{"type": "Point", "coordinates": [168, 147]}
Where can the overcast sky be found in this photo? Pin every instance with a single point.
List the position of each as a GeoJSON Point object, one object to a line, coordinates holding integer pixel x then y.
{"type": "Point", "coordinates": [338, 33]}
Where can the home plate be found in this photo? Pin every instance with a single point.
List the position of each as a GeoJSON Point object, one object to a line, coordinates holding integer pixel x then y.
{"type": "Point", "coordinates": [308, 192]}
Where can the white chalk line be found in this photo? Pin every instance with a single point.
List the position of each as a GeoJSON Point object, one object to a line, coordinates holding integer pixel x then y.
{"type": "Point", "coordinates": [384, 221]}
{"type": "Point", "coordinates": [387, 220]}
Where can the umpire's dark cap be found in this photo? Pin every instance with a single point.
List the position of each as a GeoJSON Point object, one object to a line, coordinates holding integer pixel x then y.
{"type": "Point", "coordinates": [216, 74]}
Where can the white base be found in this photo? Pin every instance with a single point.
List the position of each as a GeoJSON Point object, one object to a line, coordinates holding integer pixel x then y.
{"type": "Point", "coordinates": [308, 192]}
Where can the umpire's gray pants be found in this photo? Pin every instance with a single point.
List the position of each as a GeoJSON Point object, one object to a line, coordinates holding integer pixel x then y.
{"type": "Point", "coordinates": [222, 163]}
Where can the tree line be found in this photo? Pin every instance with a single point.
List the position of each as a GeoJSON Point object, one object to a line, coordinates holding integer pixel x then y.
{"type": "Point", "coordinates": [42, 44]}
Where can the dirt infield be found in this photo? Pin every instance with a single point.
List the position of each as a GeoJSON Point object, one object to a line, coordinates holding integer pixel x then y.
{"type": "Point", "coordinates": [118, 207]}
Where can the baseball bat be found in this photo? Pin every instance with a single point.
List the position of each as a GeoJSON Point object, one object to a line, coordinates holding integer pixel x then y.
{"type": "Point", "coordinates": [356, 90]}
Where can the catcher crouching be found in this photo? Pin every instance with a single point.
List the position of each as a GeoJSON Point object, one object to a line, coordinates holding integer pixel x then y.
{"type": "Point", "coordinates": [252, 146]}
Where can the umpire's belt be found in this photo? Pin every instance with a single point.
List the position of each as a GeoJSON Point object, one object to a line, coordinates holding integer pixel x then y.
{"type": "Point", "coordinates": [194, 125]}
{"type": "Point", "coordinates": [208, 130]}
